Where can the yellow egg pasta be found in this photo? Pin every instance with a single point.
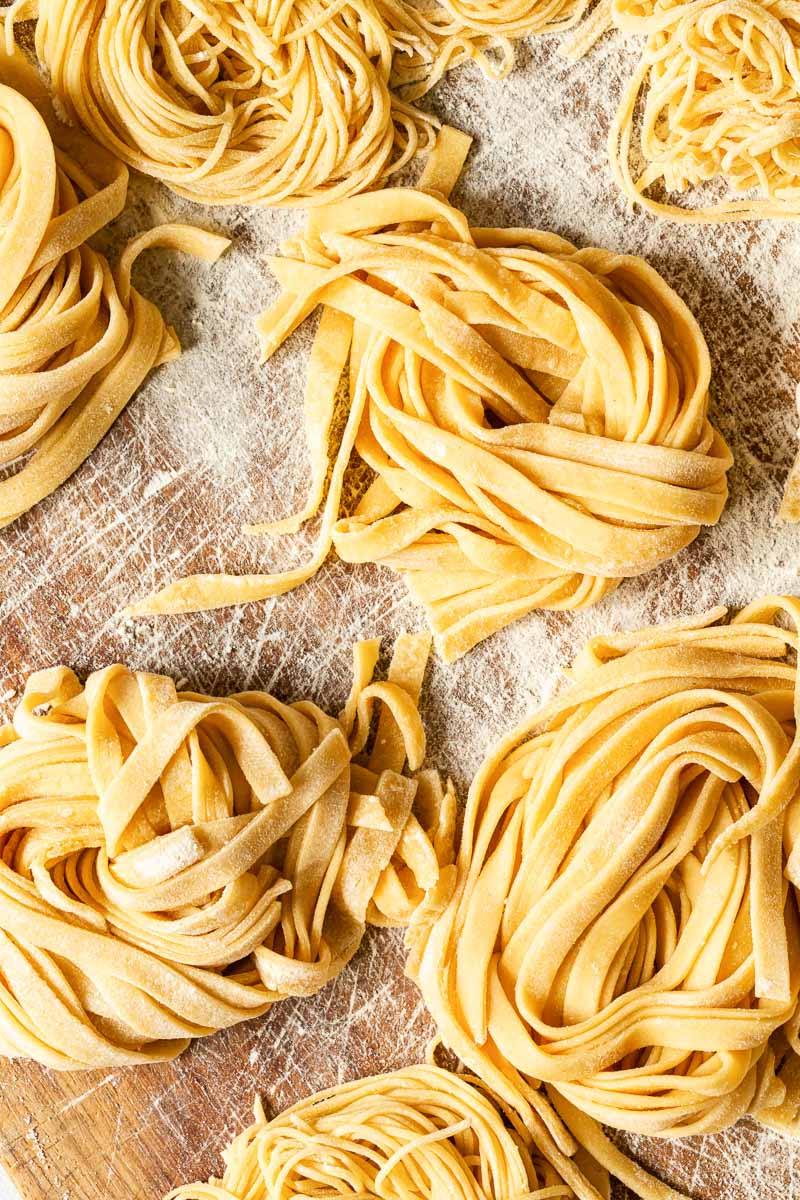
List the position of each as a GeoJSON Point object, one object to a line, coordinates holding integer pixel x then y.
{"type": "Point", "coordinates": [172, 864]}
{"type": "Point", "coordinates": [462, 30]}
{"type": "Point", "coordinates": [789, 510]}
{"type": "Point", "coordinates": [267, 102]}
{"type": "Point", "coordinates": [76, 339]}
{"type": "Point", "coordinates": [719, 88]}
{"type": "Point", "coordinates": [536, 415]}
{"type": "Point", "coordinates": [243, 102]}
{"type": "Point", "coordinates": [624, 925]}
{"type": "Point", "coordinates": [421, 1133]}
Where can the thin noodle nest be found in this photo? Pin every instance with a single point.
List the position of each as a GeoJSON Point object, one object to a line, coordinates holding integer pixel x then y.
{"type": "Point", "coordinates": [234, 103]}
{"type": "Point", "coordinates": [624, 925]}
{"type": "Point", "coordinates": [172, 864]}
{"type": "Point", "coordinates": [268, 101]}
{"type": "Point", "coordinates": [719, 89]}
{"type": "Point", "coordinates": [421, 1133]}
{"type": "Point", "coordinates": [418, 1132]}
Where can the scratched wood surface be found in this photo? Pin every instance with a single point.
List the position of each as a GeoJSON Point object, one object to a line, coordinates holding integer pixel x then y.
{"type": "Point", "coordinates": [213, 441]}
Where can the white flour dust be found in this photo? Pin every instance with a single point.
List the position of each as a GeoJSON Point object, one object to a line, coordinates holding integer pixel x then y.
{"type": "Point", "coordinates": [214, 441]}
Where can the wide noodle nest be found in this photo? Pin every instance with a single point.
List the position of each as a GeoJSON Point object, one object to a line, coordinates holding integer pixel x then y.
{"type": "Point", "coordinates": [536, 415]}
{"type": "Point", "coordinates": [172, 864]}
{"type": "Point", "coordinates": [624, 925]}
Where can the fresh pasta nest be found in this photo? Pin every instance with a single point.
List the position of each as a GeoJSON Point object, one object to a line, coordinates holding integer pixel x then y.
{"type": "Point", "coordinates": [76, 339]}
{"type": "Point", "coordinates": [172, 864]}
{"type": "Point", "coordinates": [270, 103]}
{"type": "Point", "coordinates": [238, 102]}
{"type": "Point", "coordinates": [623, 925]}
{"type": "Point", "coordinates": [719, 87]}
{"type": "Point", "coordinates": [421, 1133]}
{"type": "Point", "coordinates": [417, 1132]}
{"type": "Point", "coordinates": [536, 415]}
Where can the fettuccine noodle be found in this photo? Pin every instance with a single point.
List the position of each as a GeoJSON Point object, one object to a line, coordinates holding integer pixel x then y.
{"type": "Point", "coordinates": [421, 1133]}
{"type": "Point", "coordinates": [76, 339]}
{"type": "Point", "coordinates": [536, 415]}
{"type": "Point", "coordinates": [719, 84]}
{"type": "Point", "coordinates": [623, 925]}
{"type": "Point", "coordinates": [790, 505]}
{"type": "Point", "coordinates": [172, 864]}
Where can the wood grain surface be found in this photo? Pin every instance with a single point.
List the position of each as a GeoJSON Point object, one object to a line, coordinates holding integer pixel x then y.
{"type": "Point", "coordinates": [213, 441]}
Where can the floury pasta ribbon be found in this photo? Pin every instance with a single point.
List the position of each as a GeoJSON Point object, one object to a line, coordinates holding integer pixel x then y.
{"type": "Point", "coordinates": [173, 863]}
{"type": "Point", "coordinates": [625, 921]}
{"type": "Point", "coordinates": [536, 415]}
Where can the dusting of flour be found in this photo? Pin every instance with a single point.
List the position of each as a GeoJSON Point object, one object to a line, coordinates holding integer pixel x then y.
{"type": "Point", "coordinates": [214, 441]}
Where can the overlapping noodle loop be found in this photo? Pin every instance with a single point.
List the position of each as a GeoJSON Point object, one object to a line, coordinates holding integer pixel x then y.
{"type": "Point", "coordinates": [171, 863]}
{"type": "Point", "coordinates": [623, 927]}
{"type": "Point", "coordinates": [536, 415]}
{"type": "Point", "coordinates": [719, 88]}
{"type": "Point", "coordinates": [421, 1133]}
{"type": "Point", "coordinates": [76, 339]}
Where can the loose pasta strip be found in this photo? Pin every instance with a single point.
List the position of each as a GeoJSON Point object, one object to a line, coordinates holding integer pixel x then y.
{"type": "Point", "coordinates": [536, 415]}
{"type": "Point", "coordinates": [789, 510]}
{"type": "Point", "coordinates": [421, 1133]}
{"type": "Point", "coordinates": [76, 340]}
{"type": "Point", "coordinates": [624, 925]}
{"type": "Point", "coordinates": [719, 88]}
{"type": "Point", "coordinates": [172, 864]}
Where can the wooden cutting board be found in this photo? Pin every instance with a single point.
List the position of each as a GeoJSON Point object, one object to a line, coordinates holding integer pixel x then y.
{"type": "Point", "coordinates": [134, 1134]}
{"type": "Point", "coordinates": [211, 442]}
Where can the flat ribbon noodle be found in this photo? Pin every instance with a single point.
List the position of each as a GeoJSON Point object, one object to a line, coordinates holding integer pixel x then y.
{"type": "Point", "coordinates": [624, 925]}
{"type": "Point", "coordinates": [172, 864]}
